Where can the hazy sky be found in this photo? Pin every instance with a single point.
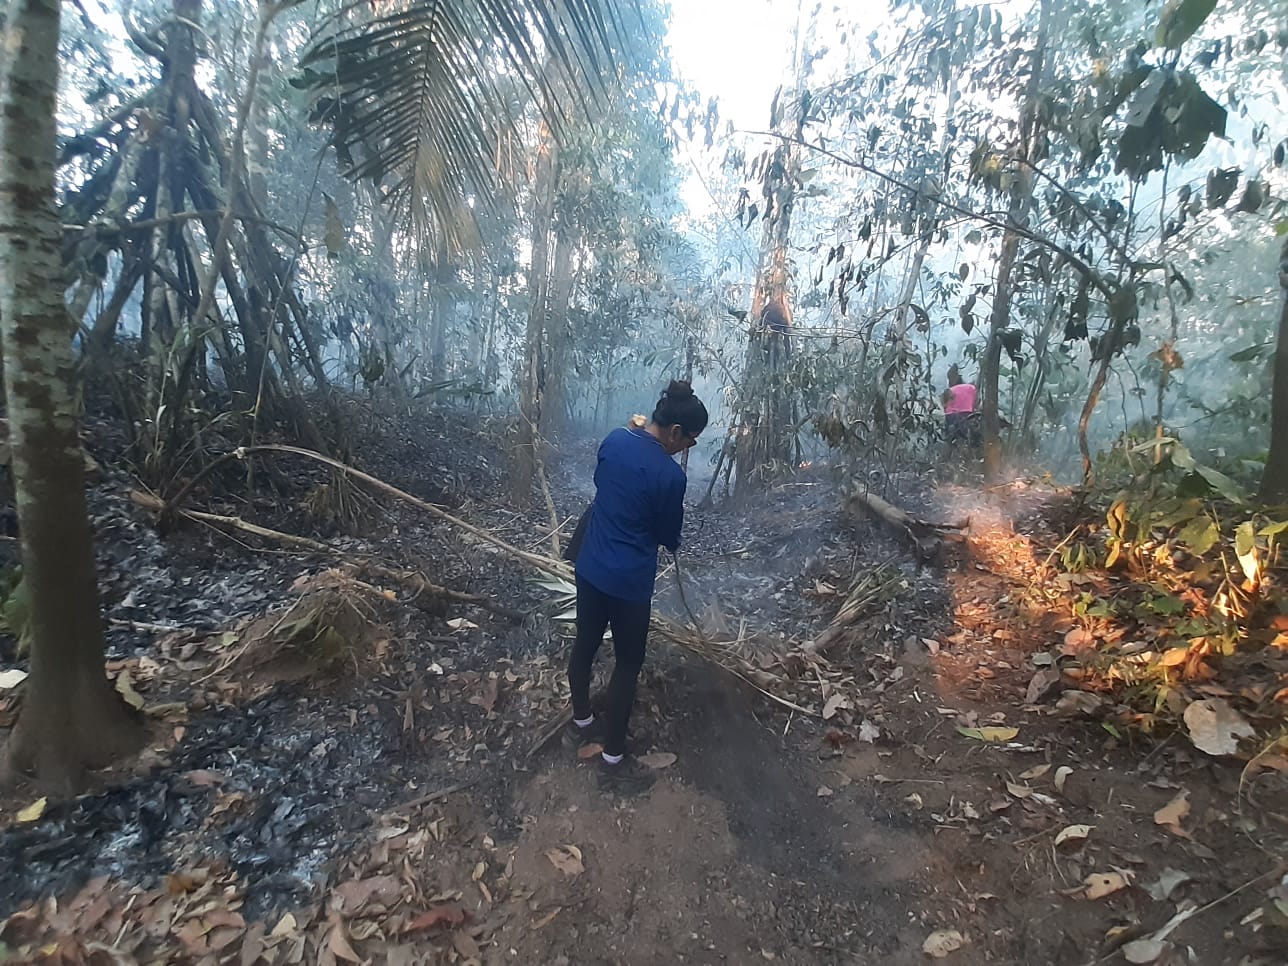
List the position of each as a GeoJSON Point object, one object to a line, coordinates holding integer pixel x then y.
{"type": "Point", "coordinates": [735, 50]}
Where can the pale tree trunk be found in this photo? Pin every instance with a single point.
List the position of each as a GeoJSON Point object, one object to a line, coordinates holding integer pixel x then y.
{"type": "Point", "coordinates": [444, 275]}
{"type": "Point", "coordinates": [530, 388]}
{"type": "Point", "coordinates": [554, 409]}
{"type": "Point", "coordinates": [1003, 290]}
{"type": "Point", "coordinates": [491, 359]}
{"type": "Point", "coordinates": [257, 126]}
{"type": "Point", "coordinates": [1274, 481]}
{"type": "Point", "coordinates": [71, 718]}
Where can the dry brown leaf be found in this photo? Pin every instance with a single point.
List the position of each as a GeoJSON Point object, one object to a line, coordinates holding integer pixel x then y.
{"type": "Point", "coordinates": [252, 947]}
{"type": "Point", "coordinates": [33, 811]}
{"type": "Point", "coordinates": [1037, 771]}
{"type": "Point", "coordinates": [286, 926]}
{"type": "Point", "coordinates": [443, 914]}
{"type": "Point", "coordinates": [658, 759]}
{"type": "Point", "coordinates": [465, 945]}
{"type": "Point", "coordinates": [1076, 640]}
{"type": "Point", "coordinates": [1215, 727]}
{"type": "Point", "coordinates": [1151, 948]}
{"type": "Point", "coordinates": [567, 859]}
{"type": "Point", "coordinates": [1061, 776]}
{"type": "Point", "coordinates": [943, 942]}
{"type": "Point", "coordinates": [201, 778]}
{"type": "Point", "coordinates": [1173, 813]}
{"type": "Point", "coordinates": [1101, 884]}
{"type": "Point", "coordinates": [834, 704]}
{"type": "Point", "coordinates": [340, 947]}
{"type": "Point", "coordinates": [589, 751]}
{"type": "Point", "coordinates": [1073, 703]}
{"type": "Point", "coordinates": [1072, 836]}
{"type": "Point", "coordinates": [547, 918]}
{"type": "Point", "coordinates": [125, 688]}
{"type": "Point", "coordinates": [486, 698]}
{"type": "Point", "coordinates": [1019, 791]}
{"type": "Point", "coordinates": [1169, 880]}
{"type": "Point", "coordinates": [181, 883]}
{"type": "Point", "coordinates": [995, 733]}
{"type": "Point", "coordinates": [349, 898]}
{"type": "Point", "coordinates": [1043, 683]}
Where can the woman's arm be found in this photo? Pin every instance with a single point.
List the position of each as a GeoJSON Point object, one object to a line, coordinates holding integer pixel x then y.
{"type": "Point", "coordinates": [671, 515]}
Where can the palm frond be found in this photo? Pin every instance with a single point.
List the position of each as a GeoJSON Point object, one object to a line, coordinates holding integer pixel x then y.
{"type": "Point", "coordinates": [420, 98]}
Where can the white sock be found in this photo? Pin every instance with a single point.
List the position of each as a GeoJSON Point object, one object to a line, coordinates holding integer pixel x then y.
{"type": "Point", "coordinates": [612, 759]}
{"type": "Point", "coordinates": [584, 722]}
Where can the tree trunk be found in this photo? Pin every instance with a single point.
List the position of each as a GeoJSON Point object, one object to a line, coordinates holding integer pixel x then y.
{"type": "Point", "coordinates": [554, 409]}
{"type": "Point", "coordinates": [766, 435]}
{"type": "Point", "coordinates": [1003, 291]}
{"type": "Point", "coordinates": [444, 275]}
{"type": "Point", "coordinates": [530, 401]}
{"type": "Point", "coordinates": [71, 718]}
{"type": "Point", "coordinates": [765, 438]}
{"type": "Point", "coordinates": [1274, 481]}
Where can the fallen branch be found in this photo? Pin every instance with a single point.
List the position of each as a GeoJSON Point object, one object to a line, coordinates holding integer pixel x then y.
{"type": "Point", "coordinates": [416, 584]}
{"type": "Point", "coordinates": [549, 730]}
{"type": "Point", "coordinates": [421, 587]}
{"type": "Point", "coordinates": [544, 564]}
{"type": "Point", "coordinates": [924, 535]}
{"type": "Point", "coordinates": [150, 502]}
{"type": "Point", "coordinates": [432, 797]}
{"type": "Point", "coordinates": [863, 595]}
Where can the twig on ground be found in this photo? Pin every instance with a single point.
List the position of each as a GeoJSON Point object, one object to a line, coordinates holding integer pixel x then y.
{"type": "Point", "coordinates": [432, 797]}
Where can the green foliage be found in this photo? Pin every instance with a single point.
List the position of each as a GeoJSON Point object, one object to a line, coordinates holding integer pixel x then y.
{"type": "Point", "coordinates": [15, 608]}
{"type": "Point", "coordinates": [1169, 116]}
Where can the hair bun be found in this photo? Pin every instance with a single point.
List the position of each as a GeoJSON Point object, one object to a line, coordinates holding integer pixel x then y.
{"type": "Point", "coordinates": [679, 389]}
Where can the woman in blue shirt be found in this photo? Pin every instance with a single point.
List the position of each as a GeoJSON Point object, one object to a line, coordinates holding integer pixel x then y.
{"type": "Point", "coordinates": [639, 505]}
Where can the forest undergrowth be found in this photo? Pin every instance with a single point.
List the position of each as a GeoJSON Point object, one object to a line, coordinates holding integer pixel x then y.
{"type": "Point", "coordinates": [995, 757]}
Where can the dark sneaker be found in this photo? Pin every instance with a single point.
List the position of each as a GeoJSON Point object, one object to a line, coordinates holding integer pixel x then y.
{"type": "Point", "coordinates": [627, 777]}
{"type": "Point", "coordinates": [574, 738]}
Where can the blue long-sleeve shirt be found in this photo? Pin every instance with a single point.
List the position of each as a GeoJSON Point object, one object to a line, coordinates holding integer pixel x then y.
{"type": "Point", "coordinates": [639, 505]}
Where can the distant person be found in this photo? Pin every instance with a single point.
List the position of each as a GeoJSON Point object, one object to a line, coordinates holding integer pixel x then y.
{"type": "Point", "coordinates": [959, 404]}
{"type": "Point", "coordinates": [639, 505]}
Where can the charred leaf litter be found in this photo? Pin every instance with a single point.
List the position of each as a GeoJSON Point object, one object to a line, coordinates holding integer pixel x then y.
{"type": "Point", "coordinates": [281, 780]}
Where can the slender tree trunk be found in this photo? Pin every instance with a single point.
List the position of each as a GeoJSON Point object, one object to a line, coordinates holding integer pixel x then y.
{"type": "Point", "coordinates": [1003, 290]}
{"type": "Point", "coordinates": [491, 359]}
{"type": "Point", "coordinates": [444, 275]}
{"type": "Point", "coordinates": [554, 409]}
{"type": "Point", "coordinates": [71, 718]}
{"type": "Point", "coordinates": [1274, 481]}
{"type": "Point", "coordinates": [530, 388]}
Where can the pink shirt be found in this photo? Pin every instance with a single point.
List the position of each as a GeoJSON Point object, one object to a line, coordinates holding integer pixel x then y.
{"type": "Point", "coordinates": [961, 399]}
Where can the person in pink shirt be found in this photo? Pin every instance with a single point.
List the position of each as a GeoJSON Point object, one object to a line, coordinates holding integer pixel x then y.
{"type": "Point", "coordinates": [959, 403]}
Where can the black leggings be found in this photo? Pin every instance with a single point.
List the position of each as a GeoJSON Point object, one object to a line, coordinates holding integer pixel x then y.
{"type": "Point", "coordinates": [596, 611]}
